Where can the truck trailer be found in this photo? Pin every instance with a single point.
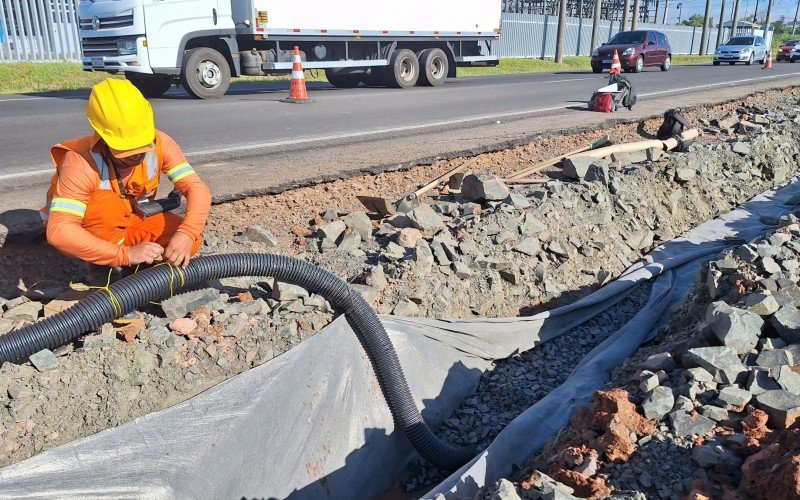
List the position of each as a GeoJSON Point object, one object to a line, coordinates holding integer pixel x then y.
{"type": "Point", "coordinates": [202, 44]}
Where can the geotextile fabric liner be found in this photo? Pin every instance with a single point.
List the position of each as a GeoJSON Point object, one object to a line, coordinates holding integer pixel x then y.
{"type": "Point", "coordinates": [313, 422]}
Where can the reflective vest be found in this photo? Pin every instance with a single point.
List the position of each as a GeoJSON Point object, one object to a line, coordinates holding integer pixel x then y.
{"type": "Point", "coordinates": [141, 185]}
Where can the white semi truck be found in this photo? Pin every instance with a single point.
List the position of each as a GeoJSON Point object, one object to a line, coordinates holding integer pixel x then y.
{"type": "Point", "coordinates": [201, 44]}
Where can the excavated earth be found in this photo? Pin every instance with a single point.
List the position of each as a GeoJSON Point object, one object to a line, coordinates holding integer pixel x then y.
{"type": "Point", "coordinates": [510, 250]}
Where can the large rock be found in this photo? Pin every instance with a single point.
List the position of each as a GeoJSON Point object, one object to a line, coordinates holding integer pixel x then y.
{"type": "Point", "coordinates": [687, 424]}
{"type": "Point", "coordinates": [761, 304]}
{"type": "Point", "coordinates": [360, 223]}
{"type": "Point", "coordinates": [741, 148]}
{"type": "Point", "coordinates": [505, 490]}
{"type": "Point", "coordinates": [786, 322]}
{"type": "Point", "coordinates": [782, 406]}
{"type": "Point", "coordinates": [660, 361]}
{"type": "Point", "coordinates": [27, 311]}
{"type": "Point", "coordinates": [734, 327]}
{"type": "Point", "coordinates": [788, 379]}
{"type": "Point", "coordinates": [733, 397]}
{"type": "Point", "coordinates": [425, 218]}
{"type": "Point", "coordinates": [529, 246]}
{"type": "Point", "coordinates": [577, 167]}
{"type": "Point", "coordinates": [760, 381]}
{"type": "Point", "coordinates": [658, 403]}
{"type": "Point", "coordinates": [483, 187]}
{"type": "Point", "coordinates": [179, 306]}
{"type": "Point", "coordinates": [332, 230]}
{"type": "Point", "coordinates": [350, 242]}
{"type": "Point", "coordinates": [773, 359]}
{"type": "Point", "coordinates": [722, 362]}
{"type": "Point", "coordinates": [258, 234]}
{"type": "Point", "coordinates": [43, 360]}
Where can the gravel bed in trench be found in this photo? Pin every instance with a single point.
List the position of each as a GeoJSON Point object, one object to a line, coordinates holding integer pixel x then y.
{"type": "Point", "coordinates": [518, 382]}
{"type": "Point", "coordinates": [456, 256]}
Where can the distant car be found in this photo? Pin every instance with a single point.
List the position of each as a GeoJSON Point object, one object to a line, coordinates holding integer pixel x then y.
{"type": "Point", "coordinates": [746, 49]}
{"type": "Point", "coordinates": [636, 49]}
{"type": "Point", "coordinates": [785, 51]}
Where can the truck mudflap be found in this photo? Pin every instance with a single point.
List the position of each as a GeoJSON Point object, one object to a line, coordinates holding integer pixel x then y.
{"type": "Point", "coordinates": [467, 61]}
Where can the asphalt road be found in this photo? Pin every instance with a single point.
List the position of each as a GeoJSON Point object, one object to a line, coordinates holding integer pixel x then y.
{"type": "Point", "coordinates": [249, 142]}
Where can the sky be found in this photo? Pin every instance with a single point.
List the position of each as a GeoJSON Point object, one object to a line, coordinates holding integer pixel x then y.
{"type": "Point", "coordinates": [746, 8]}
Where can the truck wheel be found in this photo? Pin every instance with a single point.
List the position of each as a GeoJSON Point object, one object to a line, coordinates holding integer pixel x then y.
{"type": "Point", "coordinates": [151, 85]}
{"type": "Point", "coordinates": [342, 80]}
{"type": "Point", "coordinates": [403, 69]}
{"type": "Point", "coordinates": [433, 66]}
{"type": "Point", "coordinates": [205, 74]}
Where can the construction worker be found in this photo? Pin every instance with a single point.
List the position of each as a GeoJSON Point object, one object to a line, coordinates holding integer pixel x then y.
{"type": "Point", "coordinates": [92, 210]}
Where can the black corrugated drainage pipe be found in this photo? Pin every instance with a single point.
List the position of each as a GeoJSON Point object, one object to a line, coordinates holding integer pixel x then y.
{"type": "Point", "coordinates": [160, 282]}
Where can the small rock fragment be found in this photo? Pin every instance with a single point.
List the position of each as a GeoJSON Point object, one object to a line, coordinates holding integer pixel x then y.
{"type": "Point", "coordinates": [43, 360]}
{"type": "Point", "coordinates": [258, 234]}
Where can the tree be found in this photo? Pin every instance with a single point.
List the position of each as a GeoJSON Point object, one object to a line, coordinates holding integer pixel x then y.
{"type": "Point", "coordinates": [697, 20]}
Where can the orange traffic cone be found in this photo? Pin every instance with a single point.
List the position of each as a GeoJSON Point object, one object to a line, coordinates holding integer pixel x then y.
{"type": "Point", "coordinates": [768, 61]}
{"type": "Point", "coordinates": [298, 94]}
{"type": "Point", "coordinates": [616, 67]}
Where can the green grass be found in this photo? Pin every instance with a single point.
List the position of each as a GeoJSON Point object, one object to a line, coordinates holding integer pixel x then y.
{"type": "Point", "coordinates": [23, 78]}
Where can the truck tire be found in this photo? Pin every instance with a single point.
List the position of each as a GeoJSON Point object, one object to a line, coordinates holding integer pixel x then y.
{"type": "Point", "coordinates": [205, 73]}
{"type": "Point", "coordinates": [433, 67]}
{"type": "Point", "coordinates": [403, 69]}
{"type": "Point", "coordinates": [151, 85]}
{"type": "Point", "coordinates": [342, 80]}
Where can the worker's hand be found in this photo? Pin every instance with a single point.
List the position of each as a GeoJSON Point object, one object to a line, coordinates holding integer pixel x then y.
{"type": "Point", "coordinates": [179, 250]}
{"type": "Point", "coordinates": [145, 253]}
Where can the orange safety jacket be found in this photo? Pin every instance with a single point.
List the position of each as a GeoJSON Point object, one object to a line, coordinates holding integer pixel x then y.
{"type": "Point", "coordinates": [87, 212]}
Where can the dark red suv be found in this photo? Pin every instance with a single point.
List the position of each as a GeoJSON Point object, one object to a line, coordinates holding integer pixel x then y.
{"type": "Point", "coordinates": [636, 49]}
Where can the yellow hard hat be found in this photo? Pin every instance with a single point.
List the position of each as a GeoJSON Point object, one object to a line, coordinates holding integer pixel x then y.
{"type": "Point", "coordinates": [121, 115]}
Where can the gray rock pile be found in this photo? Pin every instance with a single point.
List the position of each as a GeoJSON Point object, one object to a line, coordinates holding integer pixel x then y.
{"type": "Point", "coordinates": [721, 383]}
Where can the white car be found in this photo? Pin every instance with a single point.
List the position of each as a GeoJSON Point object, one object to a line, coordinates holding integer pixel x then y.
{"type": "Point", "coordinates": [794, 55]}
{"type": "Point", "coordinates": [746, 49]}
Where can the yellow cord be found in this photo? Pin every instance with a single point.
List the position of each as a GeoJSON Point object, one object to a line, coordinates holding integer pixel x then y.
{"type": "Point", "coordinates": [174, 274]}
{"type": "Point", "coordinates": [81, 287]}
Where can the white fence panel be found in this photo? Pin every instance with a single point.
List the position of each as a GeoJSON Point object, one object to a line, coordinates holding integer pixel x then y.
{"type": "Point", "coordinates": [39, 30]}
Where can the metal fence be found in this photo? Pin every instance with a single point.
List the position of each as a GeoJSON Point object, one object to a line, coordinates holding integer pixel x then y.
{"type": "Point", "coordinates": [533, 35]}
{"type": "Point", "coordinates": [39, 30]}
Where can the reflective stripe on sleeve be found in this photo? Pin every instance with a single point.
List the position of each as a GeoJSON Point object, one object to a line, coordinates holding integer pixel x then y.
{"type": "Point", "coordinates": [179, 172]}
{"type": "Point", "coordinates": [68, 206]}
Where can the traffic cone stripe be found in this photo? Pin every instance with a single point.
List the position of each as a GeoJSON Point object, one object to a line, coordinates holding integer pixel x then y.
{"type": "Point", "coordinates": [616, 67]}
{"type": "Point", "coordinates": [768, 61]}
{"type": "Point", "coordinates": [298, 93]}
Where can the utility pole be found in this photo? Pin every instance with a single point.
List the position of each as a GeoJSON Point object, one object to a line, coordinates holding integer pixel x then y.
{"type": "Point", "coordinates": [704, 34]}
{"type": "Point", "coordinates": [755, 14]}
{"type": "Point", "coordinates": [735, 24]}
{"type": "Point", "coordinates": [635, 18]}
{"type": "Point", "coordinates": [655, 14]}
{"type": "Point", "coordinates": [598, 5]}
{"type": "Point", "coordinates": [625, 13]}
{"type": "Point", "coordinates": [666, 12]}
{"type": "Point", "coordinates": [720, 29]}
{"type": "Point", "coordinates": [794, 23]}
{"type": "Point", "coordinates": [767, 22]}
{"type": "Point", "coordinates": [562, 27]}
